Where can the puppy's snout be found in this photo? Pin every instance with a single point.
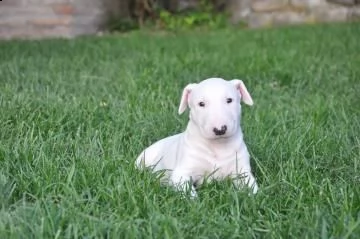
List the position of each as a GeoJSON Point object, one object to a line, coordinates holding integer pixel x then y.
{"type": "Point", "coordinates": [221, 131]}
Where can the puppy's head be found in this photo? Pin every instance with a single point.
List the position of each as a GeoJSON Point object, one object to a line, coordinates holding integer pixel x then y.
{"type": "Point", "coordinates": [215, 106]}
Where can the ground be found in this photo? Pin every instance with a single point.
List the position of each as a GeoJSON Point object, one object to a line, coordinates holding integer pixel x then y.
{"type": "Point", "coordinates": [76, 113]}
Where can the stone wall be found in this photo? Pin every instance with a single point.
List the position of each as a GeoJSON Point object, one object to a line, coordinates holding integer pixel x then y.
{"type": "Point", "coordinates": [264, 13]}
{"type": "Point", "coordinates": [50, 18]}
{"type": "Point", "coordinates": [69, 18]}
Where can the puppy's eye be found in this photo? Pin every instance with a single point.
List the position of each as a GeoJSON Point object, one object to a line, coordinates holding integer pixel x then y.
{"type": "Point", "coordinates": [201, 104]}
{"type": "Point", "coordinates": [229, 100]}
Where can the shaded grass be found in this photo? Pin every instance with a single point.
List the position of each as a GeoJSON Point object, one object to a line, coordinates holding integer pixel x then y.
{"type": "Point", "coordinates": [75, 114]}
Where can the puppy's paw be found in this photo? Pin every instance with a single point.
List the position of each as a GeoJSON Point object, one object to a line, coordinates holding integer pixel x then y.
{"type": "Point", "coordinates": [255, 188]}
{"type": "Point", "coordinates": [187, 190]}
{"type": "Point", "coordinates": [193, 193]}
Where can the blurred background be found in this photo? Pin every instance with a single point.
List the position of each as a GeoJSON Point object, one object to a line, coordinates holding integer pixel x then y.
{"type": "Point", "coordinates": [71, 18]}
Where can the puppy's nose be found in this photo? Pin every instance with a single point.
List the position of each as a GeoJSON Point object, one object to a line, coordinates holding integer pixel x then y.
{"type": "Point", "coordinates": [221, 131]}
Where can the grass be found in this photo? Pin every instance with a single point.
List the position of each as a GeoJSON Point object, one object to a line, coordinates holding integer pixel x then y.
{"type": "Point", "coordinates": [75, 114]}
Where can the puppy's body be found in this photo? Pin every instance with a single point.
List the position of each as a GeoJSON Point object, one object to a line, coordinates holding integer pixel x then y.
{"type": "Point", "coordinates": [212, 144]}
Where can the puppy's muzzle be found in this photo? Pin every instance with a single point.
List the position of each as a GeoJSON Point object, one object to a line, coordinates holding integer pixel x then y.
{"type": "Point", "coordinates": [221, 131]}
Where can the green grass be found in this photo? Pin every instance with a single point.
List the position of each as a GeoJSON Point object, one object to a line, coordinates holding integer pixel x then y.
{"type": "Point", "coordinates": [76, 113]}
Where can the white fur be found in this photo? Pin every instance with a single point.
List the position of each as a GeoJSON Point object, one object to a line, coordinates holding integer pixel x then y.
{"type": "Point", "coordinates": [201, 150]}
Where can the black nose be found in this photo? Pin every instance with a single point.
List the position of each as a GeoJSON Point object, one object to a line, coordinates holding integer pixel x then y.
{"type": "Point", "coordinates": [221, 131]}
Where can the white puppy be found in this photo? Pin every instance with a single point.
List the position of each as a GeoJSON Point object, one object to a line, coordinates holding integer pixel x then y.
{"type": "Point", "coordinates": [212, 144]}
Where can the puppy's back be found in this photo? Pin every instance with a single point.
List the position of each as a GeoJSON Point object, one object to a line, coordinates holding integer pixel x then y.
{"type": "Point", "coordinates": [161, 155]}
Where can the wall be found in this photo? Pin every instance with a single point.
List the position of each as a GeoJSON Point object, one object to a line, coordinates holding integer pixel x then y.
{"type": "Point", "coordinates": [264, 13]}
{"type": "Point", "coordinates": [70, 18]}
{"type": "Point", "coordinates": [50, 18]}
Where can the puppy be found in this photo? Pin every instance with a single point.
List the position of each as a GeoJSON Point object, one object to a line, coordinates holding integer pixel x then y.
{"type": "Point", "coordinates": [212, 144]}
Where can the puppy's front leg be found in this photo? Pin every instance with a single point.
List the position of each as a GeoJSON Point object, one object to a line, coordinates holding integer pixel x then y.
{"type": "Point", "coordinates": [181, 180]}
{"type": "Point", "coordinates": [248, 179]}
{"type": "Point", "coordinates": [251, 182]}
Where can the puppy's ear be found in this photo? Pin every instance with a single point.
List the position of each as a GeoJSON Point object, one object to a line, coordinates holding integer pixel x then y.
{"type": "Point", "coordinates": [185, 98]}
{"type": "Point", "coordinates": [245, 96]}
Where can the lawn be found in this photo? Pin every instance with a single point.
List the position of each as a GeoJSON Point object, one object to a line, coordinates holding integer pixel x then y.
{"type": "Point", "coordinates": [76, 113]}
